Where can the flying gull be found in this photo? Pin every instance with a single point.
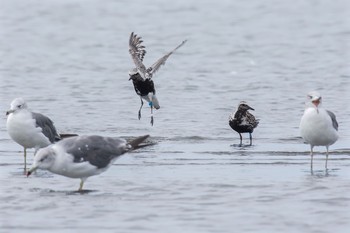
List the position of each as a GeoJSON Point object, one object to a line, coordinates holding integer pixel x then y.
{"type": "Point", "coordinates": [142, 76]}
{"type": "Point", "coordinates": [318, 126]}
{"type": "Point", "coordinates": [242, 121]}
{"type": "Point", "coordinates": [29, 129]}
{"type": "Point", "coordinates": [83, 156]}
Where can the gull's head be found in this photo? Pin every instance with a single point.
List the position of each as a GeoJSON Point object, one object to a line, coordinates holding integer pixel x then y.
{"type": "Point", "coordinates": [43, 159]}
{"type": "Point", "coordinates": [17, 105]}
{"type": "Point", "coordinates": [132, 72]}
{"type": "Point", "coordinates": [243, 106]}
{"type": "Point", "coordinates": [314, 99]}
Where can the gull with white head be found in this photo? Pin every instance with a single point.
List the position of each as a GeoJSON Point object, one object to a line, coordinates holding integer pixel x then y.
{"type": "Point", "coordinates": [83, 156]}
{"type": "Point", "coordinates": [29, 129]}
{"type": "Point", "coordinates": [318, 126]}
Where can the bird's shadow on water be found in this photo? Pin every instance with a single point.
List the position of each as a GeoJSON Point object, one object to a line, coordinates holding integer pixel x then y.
{"type": "Point", "coordinates": [64, 192]}
{"type": "Point", "coordinates": [242, 147]}
{"type": "Point", "coordinates": [80, 192]}
{"type": "Point", "coordinates": [322, 173]}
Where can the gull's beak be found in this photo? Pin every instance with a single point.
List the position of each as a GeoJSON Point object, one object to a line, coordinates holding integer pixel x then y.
{"type": "Point", "coordinates": [316, 101]}
{"type": "Point", "coordinates": [9, 112]}
{"type": "Point", "coordinates": [31, 170]}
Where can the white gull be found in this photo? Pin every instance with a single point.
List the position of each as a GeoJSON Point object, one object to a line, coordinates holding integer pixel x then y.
{"type": "Point", "coordinates": [29, 129]}
{"type": "Point", "coordinates": [318, 126]}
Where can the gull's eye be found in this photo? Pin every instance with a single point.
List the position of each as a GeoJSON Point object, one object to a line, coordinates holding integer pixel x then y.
{"type": "Point", "coordinates": [19, 106]}
{"type": "Point", "coordinates": [42, 160]}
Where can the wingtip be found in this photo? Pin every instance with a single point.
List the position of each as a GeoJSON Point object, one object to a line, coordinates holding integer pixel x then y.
{"type": "Point", "coordinates": [136, 143]}
{"type": "Point", "coordinates": [180, 45]}
{"type": "Point", "coordinates": [131, 37]}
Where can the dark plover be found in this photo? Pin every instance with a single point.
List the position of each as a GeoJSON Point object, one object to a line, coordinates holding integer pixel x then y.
{"type": "Point", "coordinates": [243, 121]}
{"type": "Point", "coordinates": [83, 156]}
{"type": "Point", "coordinates": [29, 129]}
{"type": "Point", "coordinates": [142, 76]}
{"type": "Point", "coordinates": [318, 126]}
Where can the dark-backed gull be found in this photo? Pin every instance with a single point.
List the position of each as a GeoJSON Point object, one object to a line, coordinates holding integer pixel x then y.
{"type": "Point", "coordinates": [83, 156]}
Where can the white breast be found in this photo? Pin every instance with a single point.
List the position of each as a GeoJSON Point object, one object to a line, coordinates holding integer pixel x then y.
{"type": "Point", "coordinates": [22, 129]}
{"type": "Point", "coordinates": [316, 128]}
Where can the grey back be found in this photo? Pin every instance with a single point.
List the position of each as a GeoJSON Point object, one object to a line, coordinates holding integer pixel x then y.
{"type": "Point", "coordinates": [47, 126]}
{"type": "Point", "coordinates": [334, 120]}
{"type": "Point", "coordinates": [98, 151]}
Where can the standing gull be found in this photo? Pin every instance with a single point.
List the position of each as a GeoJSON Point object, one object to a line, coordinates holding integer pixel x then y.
{"type": "Point", "coordinates": [29, 129]}
{"type": "Point", "coordinates": [141, 76]}
{"type": "Point", "coordinates": [83, 156]}
{"type": "Point", "coordinates": [243, 121]}
{"type": "Point", "coordinates": [318, 126]}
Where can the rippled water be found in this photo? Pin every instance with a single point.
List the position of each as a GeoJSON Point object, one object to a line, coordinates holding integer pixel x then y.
{"type": "Point", "coordinates": [70, 61]}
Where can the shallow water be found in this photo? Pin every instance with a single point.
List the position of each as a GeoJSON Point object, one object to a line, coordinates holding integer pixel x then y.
{"type": "Point", "coordinates": [70, 61]}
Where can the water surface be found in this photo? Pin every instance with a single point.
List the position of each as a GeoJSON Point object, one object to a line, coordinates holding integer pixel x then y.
{"type": "Point", "coordinates": [70, 61]}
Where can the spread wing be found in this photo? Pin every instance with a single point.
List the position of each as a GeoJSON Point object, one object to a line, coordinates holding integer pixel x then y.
{"type": "Point", "coordinates": [334, 120]}
{"type": "Point", "coordinates": [137, 52]}
{"type": "Point", "coordinates": [161, 61]}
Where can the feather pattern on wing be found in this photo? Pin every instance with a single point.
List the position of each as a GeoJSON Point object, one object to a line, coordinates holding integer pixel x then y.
{"type": "Point", "coordinates": [334, 119]}
{"type": "Point", "coordinates": [47, 126]}
{"type": "Point", "coordinates": [137, 52]}
{"type": "Point", "coordinates": [161, 61]}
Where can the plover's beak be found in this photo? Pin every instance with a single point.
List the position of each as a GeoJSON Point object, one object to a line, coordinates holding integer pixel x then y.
{"type": "Point", "coordinates": [251, 108]}
{"type": "Point", "coordinates": [30, 171]}
{"type": "Point", "coordinates": [9, 112]}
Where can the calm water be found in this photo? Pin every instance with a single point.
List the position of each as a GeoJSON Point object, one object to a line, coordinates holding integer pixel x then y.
{"type": "Point", "coordinates": [69, 59]}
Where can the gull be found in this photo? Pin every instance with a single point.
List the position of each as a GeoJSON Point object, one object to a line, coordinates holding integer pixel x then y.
{"type": "Point", "coordinates": [318, 126]}
{"type": "Point", "coordinates": [29, 129]}
{"type": "Point", "coordinates": [83, 156]}
{"type": "Point", "coordinates": [141, 76]}
{"type": "Point", "coordinates": [243, 121]}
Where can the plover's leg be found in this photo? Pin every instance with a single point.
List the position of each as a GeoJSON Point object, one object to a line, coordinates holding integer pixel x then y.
{"type": "Point", "coordinates": [151, 114]}
{"type": "Point", "coordinates": [140, 108]}
{"type": "Point", "coordinates": [81, 185]}
{"type": "Point", "coordinates": [240, 136]}
{"type": "Point", "coordinates": [327, 157]}
{"type": "Point", "coordinates": [250, 138]}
